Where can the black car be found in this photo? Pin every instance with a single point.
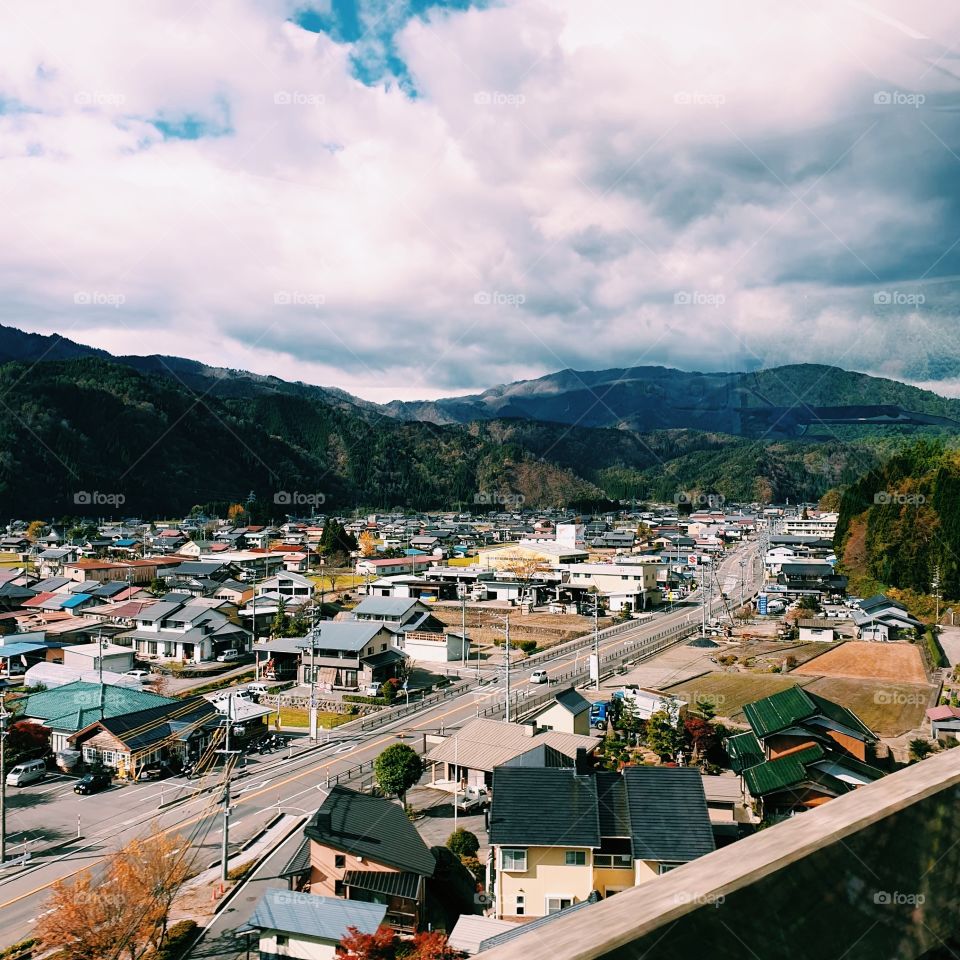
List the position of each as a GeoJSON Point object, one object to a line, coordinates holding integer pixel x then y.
{"type": "Point", "coordinates": [92, 783]}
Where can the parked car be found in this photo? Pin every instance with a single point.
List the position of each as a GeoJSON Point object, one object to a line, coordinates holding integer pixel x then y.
{"type": "Point", "coordinates": [229, 655]}
{"type": "Point", "coordinates": [472, 800]}
{"type": "Point", "coordinates": [538, 676]}
{"type": "Point", "coordinates": [30, 771]}
{"type": "Point", "coordinates": [142, 675]}
{"type": "Point", "coordinates": [92, 783]}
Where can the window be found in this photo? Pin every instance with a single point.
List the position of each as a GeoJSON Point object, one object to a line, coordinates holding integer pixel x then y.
{"type": "Point", "coordinates": [281, 939]}
{"type": "Point", "coordinates": [556, 904]}
{"type": "Point", "coordinates": [619, 861]}
{"type": "Point", "coordinates": [666, 867]}
{"type": "Point", "coordinates": [521, 905]}
{"type": "Point", "coordinates": [340, 861]}
{"type": "Point", "coordinates": [513, 860]}
{"type": "Point", "coordinates": [575, 858]}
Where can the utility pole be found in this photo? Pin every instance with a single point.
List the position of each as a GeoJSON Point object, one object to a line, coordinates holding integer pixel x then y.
{"type": "Point", "coordinates": [225, 848]}
{"type": "Point", "coordinates": [463, 622]}
{"type": "Point", "coordinates": [936, 591]}
{"type": "Point", "coordinates": [742, 561]}
{"type": "Point", "coordinates": [596, 640]}
{"type": "Point", "coordinates": [506, 653]}
{"type": "Point", "coordinates": [4, 719]}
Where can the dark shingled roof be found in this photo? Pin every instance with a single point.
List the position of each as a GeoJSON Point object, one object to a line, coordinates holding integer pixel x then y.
{"type": "Point", "coordinates": [572, 701]}
{"type": "Point", "coordinates": [669, 819]}
{"type": "Point", "coordinates": [542, 755]}
{"type": "Point", "coordinates": [544, 807]}
{"type": "Point", "coordinates": [403, 884]}
{"type": "Point", "coordinates": [612, 805]}
{"type": "Point", "coordinates": [372, 827]}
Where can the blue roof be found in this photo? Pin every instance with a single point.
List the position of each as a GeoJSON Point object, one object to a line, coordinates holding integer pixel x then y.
{"type": "Point", "coordinates": [76, 600]}
{"type": "Point", "coordinates": [306, 914]}
{"type": "Point", "coordinates": [125, 543]}
{"type": "Point", "coordinates": [18, 649]}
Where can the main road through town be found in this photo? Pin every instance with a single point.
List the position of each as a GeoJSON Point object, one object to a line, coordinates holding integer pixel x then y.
{"type": "Point", "coordinates": [289, 782]}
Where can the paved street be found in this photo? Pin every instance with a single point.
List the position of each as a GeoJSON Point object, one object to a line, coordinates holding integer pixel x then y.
{"type": "Point", "coordinates": [289, 782]}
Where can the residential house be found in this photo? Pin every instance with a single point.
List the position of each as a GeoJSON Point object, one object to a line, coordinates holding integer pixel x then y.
{"type": "Point", "coordinates": [307, 927]}
{"type": "Point", "coordinates": [336, 655]}
{"type": "Point", "coordinates": [396, 611]}
{"type": "Point", "coordinates": [558, 835]}
{"type": "Point", "coordinates": [880, 618]}
{"type": "Point", "coordinates": [97, 656]}
{"type": "Point", "coordinates": [568, 712]}
{"type": "Point", "coordinates": [811, 576]}
{"type": "Point", "coordinates": [944, 721]}
{"type": "Point", "coordinates": [469, 755]}
{"type": "Point", "coordinates": [801, 750]}
{"type": "Point", "coordinates": [365, 848]}
{"type": "Point", "coordinates": [817, 629]}
{"type": "Point", "coordinates": [631, 586]}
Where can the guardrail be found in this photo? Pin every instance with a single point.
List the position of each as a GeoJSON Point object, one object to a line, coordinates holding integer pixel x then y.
{"type": "Point", "coordinates": [383, 717]}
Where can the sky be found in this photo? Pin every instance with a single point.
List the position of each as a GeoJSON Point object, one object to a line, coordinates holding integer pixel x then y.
{"type": "Point", "coordinates": [418, 198]}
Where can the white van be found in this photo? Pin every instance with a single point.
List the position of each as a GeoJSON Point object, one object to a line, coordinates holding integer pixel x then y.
{"type": "Point", "coordinates": [229, 655]}
{"type": "Point", "coordinates": [30, 771]}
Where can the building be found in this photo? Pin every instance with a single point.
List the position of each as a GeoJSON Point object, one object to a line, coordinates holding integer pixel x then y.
{"type": "Point", "coordinates": [558, 835]}
{"type": "Point", "coordinates": [365, 848]}
{"type": "Point", "coordinates": [880, 618]}
{"type": "Point", "coordinates": [568, 713]}
{"type": "Point", "coordinates": [305, 927]}
{"type": "Point", "coordinates": [817, 629]}
{"type": "Point", "coordinates": [631, 586]}
{"type": "Point", "coordinates": [97, 656]}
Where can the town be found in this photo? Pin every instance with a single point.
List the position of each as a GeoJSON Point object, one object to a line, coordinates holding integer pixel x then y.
{"type": "Point", "coordinates": [448, 726]}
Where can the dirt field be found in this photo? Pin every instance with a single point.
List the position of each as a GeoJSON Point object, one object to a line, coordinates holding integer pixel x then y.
{"type": "Point", "coordinates": [859, 660]}
{"type": "Point", "coordinates": [888, 709]}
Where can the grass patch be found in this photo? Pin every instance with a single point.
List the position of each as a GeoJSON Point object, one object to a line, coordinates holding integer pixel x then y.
{"type": "Point", "coordinates": [888, 709]}
{"type": "Point", "coordinates": [300, 717]}
{"type": "Point", "coordinates": [728, 692]}
{"type": "Point", "coordinates": [345, 581]}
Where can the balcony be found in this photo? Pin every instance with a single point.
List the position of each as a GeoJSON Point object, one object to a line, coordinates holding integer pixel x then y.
{"type": "Point", "coordinates": [872, 875]}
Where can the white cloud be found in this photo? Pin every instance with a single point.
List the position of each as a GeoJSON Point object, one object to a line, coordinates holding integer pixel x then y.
{"type": "Point", "coordinates": [588, 163]}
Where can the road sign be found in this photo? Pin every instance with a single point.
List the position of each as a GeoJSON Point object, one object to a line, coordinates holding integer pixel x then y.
{"type": "Point", "coordinates": [594, 668]}
{"type": "Point", "coordinates": [762, 604]}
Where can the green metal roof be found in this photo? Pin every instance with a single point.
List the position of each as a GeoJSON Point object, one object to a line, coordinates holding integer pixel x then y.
{"type": "Point", "coordinates": [795, 705]}
{"type": "Point", "coordinates": [745, 751]}
{"type": "Point", "coordinates": [789, 771]}
{"type": "Point", "coordinates": [76, 705]}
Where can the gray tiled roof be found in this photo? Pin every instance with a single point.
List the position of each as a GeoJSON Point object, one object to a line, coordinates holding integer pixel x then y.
{"type": "Point", "coordinates": [544, 807]}
{"type": "Point", "coordinates": [306, 914]}
{"type": "Point", "coordinates": [669, 820]}
{"type": "Point", "coordinates": [572, 701]}
{"type": "Point", "coordinates": [370, 827]}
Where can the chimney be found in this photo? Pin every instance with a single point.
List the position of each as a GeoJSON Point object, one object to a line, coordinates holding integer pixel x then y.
{"type": "Point", "coordinates": [582, 765]}
{"type": "Point", "coordinates": [529, 729]}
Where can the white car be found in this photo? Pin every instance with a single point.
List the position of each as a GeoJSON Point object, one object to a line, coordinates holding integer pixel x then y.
{"type": "Point", "coordinates": [142, 675]}
{"type": "Point", "coordinates": [229, 655]}
{"type": "Point", "coordinates": [538, 676]}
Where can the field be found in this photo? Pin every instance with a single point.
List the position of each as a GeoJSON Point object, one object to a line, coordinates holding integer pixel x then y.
{"type": "Point", "coordinates": [728, 692]}
{"type": "Point", "coordinates": [858, 660]}
{"type": "Point", "coordinates": [300, 717]}
{"type": "Point", "coordinates": [888, 709]}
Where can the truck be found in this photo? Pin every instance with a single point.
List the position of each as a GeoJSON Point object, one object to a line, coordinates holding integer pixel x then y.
{"type": "Point", "coordinates": [599, 714]}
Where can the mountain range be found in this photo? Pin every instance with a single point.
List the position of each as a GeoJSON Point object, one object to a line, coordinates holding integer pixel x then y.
{"type": "Point", "coordinates": [165, 433]}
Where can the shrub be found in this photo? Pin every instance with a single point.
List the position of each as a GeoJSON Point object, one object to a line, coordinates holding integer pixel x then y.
{"type": "Point", "coordinates": [527, 646]}
{"type": "Point", "coordinates": [388, 692]}
{"type": "Point", "coordinates": [240, 871]}
{"type": "Point", "coordinates": [178, 938]}
{"type": "Point", "coordinates": [463, 843]}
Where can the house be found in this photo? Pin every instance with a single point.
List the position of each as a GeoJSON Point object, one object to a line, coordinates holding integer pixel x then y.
{"type": "Point", "coordinates": [177, 732]}
{"type": "Point", "coordinates": [883, 619]}
{"type": "Point", "coordinates": [568, 713]}
{"type": "Point", "coordinates": [73, 706]}
{"type": "Point", "coordinates": [388, 567]}
{"type": "Point", "coordinates": [470, 755]}
{"type": "Point", "coordinates": [287, 585]}
{"type": "Point", "coordinates": [393, 610]}
{"type": "Point", "coordinates": [341, 654]}
{"type": "Point", "coordinates": [365, 848]}
{"type": "Point", "coordinates": [630, 586]}
{"type": "Point", "coordinates": [560, 834]}
{"type": "Point", "coordinates": [817, 629]}
{"type": "Point", "coordinates": [944, 720]}
{"type": "Point", "coordinates": [811, 576]}
{"type": "Point", "coordinates": [307, 927]}
{"type": "Point", "coordinates": [801, 750]}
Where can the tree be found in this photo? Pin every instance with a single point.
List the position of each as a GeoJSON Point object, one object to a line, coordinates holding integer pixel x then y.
{"type": "Point", "coordinates": [26, 741]}
{"type": "Point", "coordinates": [526, 571]}
{"type": "Point", "coordinates": [463, 843]}
{"type": "Point", "coordinates": [35, 529]}
{"type": "Point", "coordinates": [381, 945]}
{"type": "Point", "coordinates": [920, 748]}
{"type": "Point", "coordinates": [368, 543]}
{"type": "Point", "coordinates": [235, 512]}
{"type": "Point", "coordinates": [701, 735]}
{"type": "Point", "coordinates": [432, 945]}
{"type": "Point", "coordinates": [388, 691]}
{"type": "Point", "coordinates": [664, 737]}
{"type": "Point", "coordinates": [278, 628]}
{"type": "Point", "coordinates": [397, 769]}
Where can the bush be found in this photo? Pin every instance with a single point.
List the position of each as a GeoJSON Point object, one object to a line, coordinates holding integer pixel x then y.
{"type": "Point", "coordinates": [356, 698]}
{"type": "Point", "coordinates": [527, 646]}
{"type": "Point", "coordinates": [463, 843]}
{"type": "Point", "coordinates": [388, 692]}
{"type": "Point", "coordinates": [240, 871]}
{"type": "Point", "coordinates": [179, 936]}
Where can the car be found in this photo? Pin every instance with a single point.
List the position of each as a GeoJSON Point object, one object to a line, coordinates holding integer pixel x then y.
{"type": "Point", "coordinates": [92, 783]}
{"type": "Point", "coordinates": [139, 674]}
{"type": "Point", "coordinates": [258, 689]}
{"type": "Point", "coordinates": [538, 676]}
{"type": "Point", "coordinates": [229, 655]}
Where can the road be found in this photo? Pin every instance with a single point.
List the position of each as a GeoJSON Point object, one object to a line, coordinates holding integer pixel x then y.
{"type": "Point", "coordinates": [286, 782]}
